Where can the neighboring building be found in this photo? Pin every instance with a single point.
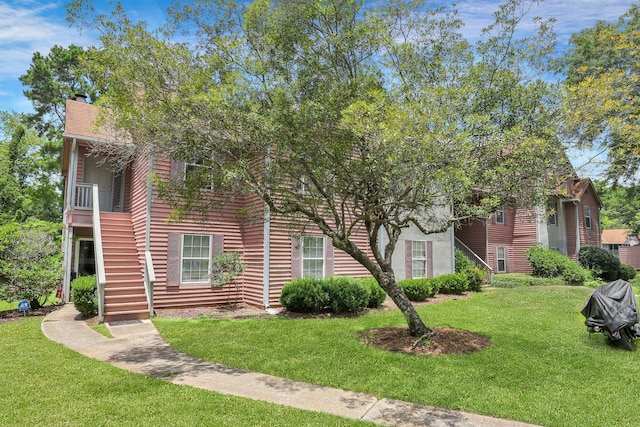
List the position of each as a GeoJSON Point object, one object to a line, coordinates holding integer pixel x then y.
{"type": "Point", "coordinates": [623, 245]}
{"type": "Point", "coordinates": [612, 240]}
{"type": "Point", "coordinates": [572, 221]}
{"type": "Point", "coordinates": [150, 261]}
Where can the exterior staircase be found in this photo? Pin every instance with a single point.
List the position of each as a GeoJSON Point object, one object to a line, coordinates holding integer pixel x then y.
{"type": "Point", "coordinates": [124, 295]}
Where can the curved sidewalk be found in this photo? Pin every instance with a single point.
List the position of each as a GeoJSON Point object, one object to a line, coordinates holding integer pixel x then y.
{"type": "Point", "coordinates": [138, 347]}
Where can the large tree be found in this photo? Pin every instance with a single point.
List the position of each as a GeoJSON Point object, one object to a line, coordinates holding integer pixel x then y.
{"type": "Point", "coordinates": [342, 116]}
{"type": "Point", "coordinates": [602, 92]}
{"type": "Point", "coordinates": [29, 186]}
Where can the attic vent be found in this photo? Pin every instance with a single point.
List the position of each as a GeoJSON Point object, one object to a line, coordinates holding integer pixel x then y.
{"type": "Point", "coordinates": [81, 97]}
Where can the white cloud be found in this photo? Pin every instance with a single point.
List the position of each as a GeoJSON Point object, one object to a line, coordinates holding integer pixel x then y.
{"type": "Point", "coordinates": [27, 27]}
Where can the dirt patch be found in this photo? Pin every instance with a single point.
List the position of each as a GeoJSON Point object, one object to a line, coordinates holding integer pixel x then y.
{"type": "Point", "coordinates": [445, 341]}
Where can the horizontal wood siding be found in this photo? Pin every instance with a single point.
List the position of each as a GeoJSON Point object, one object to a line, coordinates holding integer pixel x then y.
{"type": "Point", "coordinates": [501, 235]}
{"type": "Point", "coordinates": [630, 255]}
{"type": "Point", "coordinates": [252, 232]}
{"type": "Point", "coordinates": [589, 236]}
{"type": "Point", "coordinates": [474, 235]}
{"type": "Point", "coordinates": [524, 236]}
{"type": "Point", "coordinates": [225, 224]}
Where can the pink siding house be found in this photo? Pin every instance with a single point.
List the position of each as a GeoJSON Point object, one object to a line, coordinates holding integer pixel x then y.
{"type": "Point", "coordinates": [501, 240]}
{"type": "Point", "coordinates": [117, 227]}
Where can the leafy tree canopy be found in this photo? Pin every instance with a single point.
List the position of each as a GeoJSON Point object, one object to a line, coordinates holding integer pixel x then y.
{"type": "Point", "coordinates": [353, 118]}
{"type": "Point", "coordinates": [602, 92]}
{"type": "Point", "coordinates": [621, 206]}
{"type": "Point", "coordinates": [49, 82]}
{"type": "Point", "coordinates": [29, 185]}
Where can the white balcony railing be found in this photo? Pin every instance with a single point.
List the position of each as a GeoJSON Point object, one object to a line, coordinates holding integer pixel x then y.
{"type": "Point", "coordinates": [84, 197]}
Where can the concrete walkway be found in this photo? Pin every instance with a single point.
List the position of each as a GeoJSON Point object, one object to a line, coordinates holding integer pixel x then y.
{"type": "Point", "coordinates": [138, 347]}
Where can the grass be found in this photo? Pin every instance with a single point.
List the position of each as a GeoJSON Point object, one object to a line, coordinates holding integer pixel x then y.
{"type": "Point", "coordinates": [47, 384]}
{"type": "Point", "coordinates": [102, 330]}
{"type": "Point", "coordinates": [543, 367]}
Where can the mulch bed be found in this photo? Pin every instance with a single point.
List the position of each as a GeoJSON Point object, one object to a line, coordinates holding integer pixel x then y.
{"type": "Point", "coordinates": [11, 315]}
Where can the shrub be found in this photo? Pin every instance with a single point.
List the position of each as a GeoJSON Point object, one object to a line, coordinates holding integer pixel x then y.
{"type": "Point", "coordinates": [418, 289]}
{"type": "Point", "coordinates": [551, 263]}
{"type": "Point", "coordinates": [600, 260]}
{"type": "Point", "coordinates": [514, 280]}
{"type": "Point", "coordinates": [627, 272]}
{"type": "Point", "coordinates": [378, 294]}
{"type": "Point", "coordinates": [452, 284]}
{"type": "Point", "coordinates": [476, 277]}
{"type": "Point", "coordinates": [305, 295]}
{"type": "Point", "coordinates": [83, 293]}
{"type": "Point", "coordinates": [462, 262]}
{"type": "Point", "coordinates": [347, 295]}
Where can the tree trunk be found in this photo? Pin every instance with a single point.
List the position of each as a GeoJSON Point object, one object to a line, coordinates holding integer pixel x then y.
{"type": "Point", "coordinates": [417, 328]}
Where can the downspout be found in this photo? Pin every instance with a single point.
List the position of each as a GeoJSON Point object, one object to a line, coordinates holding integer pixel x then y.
{"type": "Point", "coordinates": [68, 230]}
{"type": "Point", "coordinates": [266, 238]}
{"type": "Point", "coordinates": [575, 203]}
{"type": "Point", "coordinates": [149, 270]}
{"type": "Point", "coordinates": [453, 250]}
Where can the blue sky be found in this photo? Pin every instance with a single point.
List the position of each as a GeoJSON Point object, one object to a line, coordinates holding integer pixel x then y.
{"type": "Point", "coordinates": [28, 26]}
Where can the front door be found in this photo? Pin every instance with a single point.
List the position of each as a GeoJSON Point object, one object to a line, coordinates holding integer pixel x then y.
{"type": "Point", "coordinates": [98, 172]}
{"type": "Point", "coordinates": [84, 262]}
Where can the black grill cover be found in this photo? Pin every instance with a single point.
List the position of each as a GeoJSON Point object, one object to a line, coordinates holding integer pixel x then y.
{"type": "Point", "coordinates": [612, 306]}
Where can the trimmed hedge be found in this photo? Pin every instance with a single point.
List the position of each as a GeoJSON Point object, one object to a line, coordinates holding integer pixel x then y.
{"type": "Point", "coordinates": [340, 294]}
{"type": "Point", "coordinates": [305, 295]}
{"type": "Point", "coordinates": [476, 278]}
{"type": "Point", "coordinates": [83, 293]}
{"type": "Point", "coordinates": [419, 289]}
{"type": "Point", "coordinates": [550, 263]}
{"type": "Point", "coordinates": [452, 284]}
{"type": "Point", "coordinates": [514, 280]}
{"type": "Point", "coordinates": [347, 295]}
{"type": "Point", "coordinates": [378, 295]}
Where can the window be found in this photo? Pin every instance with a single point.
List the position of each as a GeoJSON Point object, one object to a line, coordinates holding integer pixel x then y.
{"type": "Point", "coordinates": [587, 216]}
{"type": "Point", "coordinates": [500, 215]}
{"type": "Point", "coordinates": [200, 172]}
{"type": "Point", "coordinates": [418, 259]}
{"type": "Point", "coordinates": [552, 211]}
{"type": "Point", "coordinates": [501, 259]}
{"type": "Point", "coordinates": [313, 257]}
{"type": "Point", "coordinates": [196, 258]}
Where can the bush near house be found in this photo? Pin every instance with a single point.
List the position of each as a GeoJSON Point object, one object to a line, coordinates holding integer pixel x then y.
{"type": "Point", "coordinates": [340, 294]}
{"type": "Point", "coordinates": [452, 284]}
{"type": "Point", "coordinates": [378, 295]}
{"type": "Point", "coordinates": [347, 295]}
{"type": "Point", "coordinates": [551, 263]}
{"type": "Point", "coordinates": [83, 293]}
{"type": "Point", "coordinates": [419, 289]}
{"type": "Point", "coordinates": [627, 272]}
{"type": "Point", "coordinates": [602, 262]}
{"type": "Point", "coordinates": [475, 276]}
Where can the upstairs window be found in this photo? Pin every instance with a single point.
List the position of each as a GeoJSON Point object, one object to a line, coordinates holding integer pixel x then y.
{"type": "Point", "coordinates": [552, 210]}
{"type": "Point", "coordinates": [587, 216]}
{"type": "Point", "coordinates": [200, 171]}
{"type": "Point", "coordinates": [499, 215]}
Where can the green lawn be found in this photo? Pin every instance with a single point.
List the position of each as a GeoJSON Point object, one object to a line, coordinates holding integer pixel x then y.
{"type": "Point", "coordinates": [542, 367]}
{"type": "Point", "coordinates": [46, 384]}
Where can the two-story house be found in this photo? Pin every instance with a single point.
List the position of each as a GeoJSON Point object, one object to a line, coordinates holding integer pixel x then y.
{"type": "Point", "coordinates": [571, 220]}
{"type": "Point", "coordinates": [117, 227]}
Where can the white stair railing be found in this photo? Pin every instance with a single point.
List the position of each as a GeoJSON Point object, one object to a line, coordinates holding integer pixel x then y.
{"type": "Point", "coordinates": [99, 254]}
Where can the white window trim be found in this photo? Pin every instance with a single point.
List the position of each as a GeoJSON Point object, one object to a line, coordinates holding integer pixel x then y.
{"type": "Point", "coordinates": [211, 186]}
{"type": "Point", "coordinates": [322, 258]}
{"type": "Point", "coordinates": [421, 258]}
{"type": "Point", "coordinates": [502, 258]}
{"type": "Point", "coordinates": [552, 219]}
{"type": "Point", "coordinates": [182, 258]}
{"type": "Point", "coordinates": [587, 214]}
{"type": "Point", "coordinates": [500, 219]}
